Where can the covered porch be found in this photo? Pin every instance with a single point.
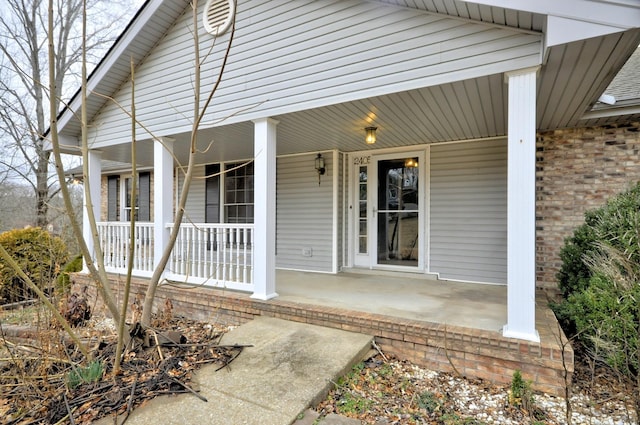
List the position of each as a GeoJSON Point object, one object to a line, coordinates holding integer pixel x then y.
{"type": "Point", "coordinates": [449, 326]}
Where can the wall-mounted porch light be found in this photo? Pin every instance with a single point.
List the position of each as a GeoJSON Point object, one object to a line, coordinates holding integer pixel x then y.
{"type": "Point", "coordinates": [320, 167]}
{"type": "Point", "coordinates": [370, 135]}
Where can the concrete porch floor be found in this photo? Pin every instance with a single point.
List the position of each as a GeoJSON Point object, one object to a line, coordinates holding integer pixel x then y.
{"type": "Point", "coordinates": [410, 296]}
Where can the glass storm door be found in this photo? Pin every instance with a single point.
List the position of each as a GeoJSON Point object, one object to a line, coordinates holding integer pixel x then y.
{"type": "Point", "coordinates": [387, 214]}
{"type": "Point", "coordinates": [397, 212]}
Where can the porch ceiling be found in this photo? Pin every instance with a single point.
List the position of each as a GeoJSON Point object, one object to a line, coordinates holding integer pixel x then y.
{"type": "Point", "coordinates": [462, 110]}
{"type": "Point", "coordinates": [571, 80]}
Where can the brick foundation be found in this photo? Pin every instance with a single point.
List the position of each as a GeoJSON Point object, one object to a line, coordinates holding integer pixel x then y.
{"type": "Point", "coordinates": [578, 170]}
{"type": "Point", "coordinates": [474, 353]}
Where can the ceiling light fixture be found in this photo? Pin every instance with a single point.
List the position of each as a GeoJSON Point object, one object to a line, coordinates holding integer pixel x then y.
{"type": "Point", "coordinates": [370, 136]}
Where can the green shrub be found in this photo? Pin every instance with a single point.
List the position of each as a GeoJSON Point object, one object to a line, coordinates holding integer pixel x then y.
{"type": "Point", "coordinates": [521, 393]}
{"type": "Point", "coordinates": [608, 223]}
{"type": "Point", "coordinates": [606, 316]}
{"type": "Point", "coordinates": [64, 278]}
{"type": "Point", "coordinates": [574, 274]}
{"type": "Point", "coordinates": [603, 286]}
{"type": "Point", "coordinates": [40, 256]}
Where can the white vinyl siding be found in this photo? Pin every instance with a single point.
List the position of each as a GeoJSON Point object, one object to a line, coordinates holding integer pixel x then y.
{"type": "Point", "coordinates": [304, 214]}
{"type": "Point", "coordinates": [296, 55]}
{"type": "Point", "coordinates": [194, 209]}
{"type": "Point", "coordinates": [468, 239]}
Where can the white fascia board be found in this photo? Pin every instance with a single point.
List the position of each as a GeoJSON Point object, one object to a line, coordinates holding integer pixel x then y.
{"type": "Point", "coordinates": [104, 67]}
{"type": "Point", "coordinates": [68, 145]}
{"type": "Point", "coordinates": [611, 112]}
{"type": "Point", "coordinates": [620, 14]}
{"type": "Point", "coordinates": [561, 30]}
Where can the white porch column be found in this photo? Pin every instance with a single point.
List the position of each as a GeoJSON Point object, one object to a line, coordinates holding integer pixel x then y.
{"type": "Point", "coordinates": [162, 195]}
{"type": "Point", "coordinates": [264, 227]}
{"type": "Point", "coordinates": [521, 206]}
{"type": "Point", "coordinates": [93, 180]}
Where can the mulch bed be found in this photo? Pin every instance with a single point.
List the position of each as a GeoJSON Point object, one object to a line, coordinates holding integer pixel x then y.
{"type": "Point", "coordinates": [37, 385]}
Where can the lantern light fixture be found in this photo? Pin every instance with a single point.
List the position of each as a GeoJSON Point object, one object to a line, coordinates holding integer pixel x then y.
{"type": "Point", "coordinates": [320, 166]}
{"type": "Point", "coordinates": [370, 135]}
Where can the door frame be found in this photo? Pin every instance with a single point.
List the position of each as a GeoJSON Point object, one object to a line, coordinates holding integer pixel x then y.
{"type": "Point", "coordinates": [371, 159]}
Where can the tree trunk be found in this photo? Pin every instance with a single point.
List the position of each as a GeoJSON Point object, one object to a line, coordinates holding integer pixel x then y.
{"type": "Point", "coordinates": [42, 193]}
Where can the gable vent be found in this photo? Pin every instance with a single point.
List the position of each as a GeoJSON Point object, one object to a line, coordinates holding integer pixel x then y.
{"type": "Point", "coordinates": [218, 15]}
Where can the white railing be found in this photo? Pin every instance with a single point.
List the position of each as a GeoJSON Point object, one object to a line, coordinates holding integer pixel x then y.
{"type": "Point", "coordinates": [115, 242]}
{"type": "Point", "coordinates": [213, 254]}
{"type": "Point", "coordinates": [210, 254]}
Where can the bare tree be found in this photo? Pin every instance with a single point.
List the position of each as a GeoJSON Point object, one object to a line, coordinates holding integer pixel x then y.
{"type": "Point", "coordinates": [24, 98]}
{"type": "Point", "coordinates": [203, 95]}
{"type": "Point", "coordinates": [14, 200]}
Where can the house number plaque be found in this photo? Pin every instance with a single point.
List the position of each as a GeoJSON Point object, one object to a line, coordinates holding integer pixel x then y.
{"type": "Point", "coordinates": [362, 160]}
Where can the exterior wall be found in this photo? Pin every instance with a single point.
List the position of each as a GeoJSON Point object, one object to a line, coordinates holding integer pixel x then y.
{"type": "Point", "coordinates": [304, 211]}
{"type": "Point", "coordinates": [289, 56]}
{"type": "Point", "coordinates": [195, 207]}
{"type": "Point", "coordinates": [304, 224]}
{"type": "Point", "coordinates": [468, 211]}
{"type": "Point", "coordinates": [578, 170]}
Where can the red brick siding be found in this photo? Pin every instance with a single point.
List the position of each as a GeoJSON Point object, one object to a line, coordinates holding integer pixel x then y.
{"type": "Point", "coordinates": [578, 170]}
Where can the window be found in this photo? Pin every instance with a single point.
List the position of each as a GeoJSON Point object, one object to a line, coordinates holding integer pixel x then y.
{"type": "Point", "coordinates": [237, 199]}
{"type": "Point", "coordinates": [140, 206]}
{"type": "Point", "coordinates": [238, 193]}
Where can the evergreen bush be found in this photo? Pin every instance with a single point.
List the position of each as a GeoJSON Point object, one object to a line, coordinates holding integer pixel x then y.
{"type": "Point", "coordinates": [606, 223]}
{"type": "Point", "coordinates": [64, 278]}
{"type": "Point", "coordinates": [600, 280]}
{"type": "Point", "coordinates": [39, 254]}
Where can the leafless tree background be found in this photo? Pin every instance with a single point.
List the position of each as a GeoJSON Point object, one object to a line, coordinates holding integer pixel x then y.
{"type": "Point", "coordinates": [25, 166]}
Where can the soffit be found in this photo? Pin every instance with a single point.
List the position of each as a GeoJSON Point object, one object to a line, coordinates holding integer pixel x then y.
{"type": "Point", "coordinates": [477, 12]}
{"type": "Point", "coordinates": [576, 74]}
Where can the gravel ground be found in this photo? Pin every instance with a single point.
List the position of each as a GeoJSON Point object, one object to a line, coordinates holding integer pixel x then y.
{"type": "Point", "coordinates": [393, 392]}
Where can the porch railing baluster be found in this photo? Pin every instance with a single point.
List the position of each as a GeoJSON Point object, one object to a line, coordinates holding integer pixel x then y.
{"type": "Point", "coordinates": [201, 272]}
{"type": "Point", "coordinates": [219, 232]}
{"type": "Point", "coordinates": [237, 255]}
{"type": "Point", "coordinates": [244, 255]}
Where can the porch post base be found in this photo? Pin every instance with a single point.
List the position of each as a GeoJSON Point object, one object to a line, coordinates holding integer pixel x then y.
{"type": "Point", "coordinates": [263, 297]}
{"type": "Point", "coordinates": [533, 336]}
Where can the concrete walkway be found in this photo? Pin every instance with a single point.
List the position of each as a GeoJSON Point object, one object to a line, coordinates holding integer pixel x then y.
{"type": "Point", "coordinates": [289, 368]}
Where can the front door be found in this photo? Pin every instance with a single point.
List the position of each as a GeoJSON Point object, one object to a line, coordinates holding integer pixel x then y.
{"type": "Point", "coordinates": [389, 230]}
